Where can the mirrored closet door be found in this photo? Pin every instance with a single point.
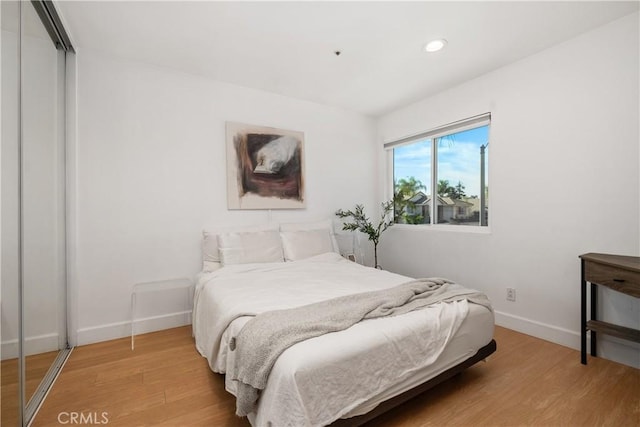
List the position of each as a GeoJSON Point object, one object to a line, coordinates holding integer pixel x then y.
{"type": "Point", "coordinates": [33, 298]}
{"type": "Point", "coordinates": [9, 268]}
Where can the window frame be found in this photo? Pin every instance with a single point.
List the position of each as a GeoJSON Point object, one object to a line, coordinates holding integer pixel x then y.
{"type": "Point", "coordinates": [473, 122]}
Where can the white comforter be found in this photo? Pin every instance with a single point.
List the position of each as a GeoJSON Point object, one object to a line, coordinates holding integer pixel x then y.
{"type": "Point", "coordinates": [319, 380]}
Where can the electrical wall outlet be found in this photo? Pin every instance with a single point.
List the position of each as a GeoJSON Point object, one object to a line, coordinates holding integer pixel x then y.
{"type": "Point", "coordinates": [511, 294]}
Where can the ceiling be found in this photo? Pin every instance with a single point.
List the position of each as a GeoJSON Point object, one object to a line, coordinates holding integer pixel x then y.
{"type": "Point", "coordinates": [289, 47]}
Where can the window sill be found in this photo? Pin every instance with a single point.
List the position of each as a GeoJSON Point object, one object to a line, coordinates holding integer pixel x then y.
{"type": "Point", "coordinates": [472, 229]}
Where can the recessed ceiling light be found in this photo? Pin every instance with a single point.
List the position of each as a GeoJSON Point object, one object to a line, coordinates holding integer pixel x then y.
{"type": "Point", "coordinates": [435, 45]}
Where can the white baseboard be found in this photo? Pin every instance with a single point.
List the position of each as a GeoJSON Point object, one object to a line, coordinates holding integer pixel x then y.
{"type": "Point", "coordinates": [32, 345]}
{"type": "Point", "coordinates": [537, 329]}
{"type": "Point", "coordinates": [123, 329]}
{"type": "Point", "coordinates": [612, 348]}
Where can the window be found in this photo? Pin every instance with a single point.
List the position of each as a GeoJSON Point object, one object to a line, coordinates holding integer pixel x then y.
{"type": "Point", "coordinates": [453, 160]}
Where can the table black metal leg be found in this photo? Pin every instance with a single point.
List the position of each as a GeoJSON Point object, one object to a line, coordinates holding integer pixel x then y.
{"type": "Point", "coordinates": [594, 316]}
{"type": "Point", "coordinates": [583, 318]}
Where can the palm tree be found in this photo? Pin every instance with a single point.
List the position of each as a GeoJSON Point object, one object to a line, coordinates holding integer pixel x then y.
{"type": "Point", "coordinates": [447, 190]}
{"type": "Point", "coordinates": [404, 190]}
{"type": "Point", "coordinates": [444, 188]}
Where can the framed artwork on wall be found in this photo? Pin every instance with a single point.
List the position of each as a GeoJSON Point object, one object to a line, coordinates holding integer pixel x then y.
{"type": "Point", "coordinates": [265, 167]}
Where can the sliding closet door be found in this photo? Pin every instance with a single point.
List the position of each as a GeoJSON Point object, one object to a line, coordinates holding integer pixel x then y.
{"type": "Point", "coordinates": [33, 268]}
{"type": "Point", "coordinates": [9, 268]}
{"type": "Point", "coordinates": [43, 200]}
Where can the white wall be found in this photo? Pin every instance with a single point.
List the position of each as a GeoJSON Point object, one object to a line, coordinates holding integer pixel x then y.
{"type": "Point", "coordinates": [564, 161]}
{"type": "Point", "coordinates": [151, 174]}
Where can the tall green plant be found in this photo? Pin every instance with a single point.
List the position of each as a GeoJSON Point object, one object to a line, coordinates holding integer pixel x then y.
{"type": "Point", "coordinates": [363, 224]}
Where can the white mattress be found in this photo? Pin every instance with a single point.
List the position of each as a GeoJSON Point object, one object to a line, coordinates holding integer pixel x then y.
{"type": "Point", "coordinates": [342, 374]}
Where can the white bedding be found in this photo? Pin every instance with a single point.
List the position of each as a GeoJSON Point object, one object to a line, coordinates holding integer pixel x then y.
{"type": "Point", "coordinates": [340, 374]}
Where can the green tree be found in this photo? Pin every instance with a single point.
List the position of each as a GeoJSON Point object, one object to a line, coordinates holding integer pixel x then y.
{"type": "Point", "coordinates": [445, 189]}
{"type": "Point", "coordinates": [404, 190]}
{"type": "Point", "coordinates": [458, 191]}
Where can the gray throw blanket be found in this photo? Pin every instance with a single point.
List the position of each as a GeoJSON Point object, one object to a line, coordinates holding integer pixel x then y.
{"type": "Point", "coordinates": [265, 337]}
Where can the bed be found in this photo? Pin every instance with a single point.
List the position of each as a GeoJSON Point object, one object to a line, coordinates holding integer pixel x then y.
{"type": "Point", "coordinates": [341, 378]}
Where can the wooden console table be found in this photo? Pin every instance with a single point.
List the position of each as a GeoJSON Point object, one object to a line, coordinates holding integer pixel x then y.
{"type": "Point", "coordinates": [617, 272]}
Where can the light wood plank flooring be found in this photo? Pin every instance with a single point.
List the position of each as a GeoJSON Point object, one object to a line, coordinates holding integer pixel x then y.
{"type": "Point", "coordinates": [36, 368]}
{"type": "Point", "coordinates": [528, 381]}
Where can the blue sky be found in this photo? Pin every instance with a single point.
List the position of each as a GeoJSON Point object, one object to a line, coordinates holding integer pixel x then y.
{"type": "Point", "coordinates": [458, 160]}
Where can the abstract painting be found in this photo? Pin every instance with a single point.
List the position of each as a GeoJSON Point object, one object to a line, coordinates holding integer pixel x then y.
{"type": "Point", "coordinates": [265, 167]}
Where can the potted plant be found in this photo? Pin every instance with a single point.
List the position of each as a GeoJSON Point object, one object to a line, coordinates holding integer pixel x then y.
{"type": "Point", "coordinates": [362, 223]}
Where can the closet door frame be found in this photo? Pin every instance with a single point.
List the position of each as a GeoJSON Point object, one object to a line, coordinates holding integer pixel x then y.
{"type": "Point", "coordinates": [51, 21]}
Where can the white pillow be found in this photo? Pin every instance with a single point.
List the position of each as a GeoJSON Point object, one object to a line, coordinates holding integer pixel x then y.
{"type": "Point", "coordinates": [249, 247]}
{"type": "Point", "coordinates": [210, 254]}
{"type": "Point", "coordinates": [210, 250]}
{"type": "Point", "coordinates": [304, 244]}
{"type": "Point", "coordinates": [316, 225]}
{"type": "Point", "coordinates": [210, 266]}
{"type": "Point", "coordinates": [300, 226]}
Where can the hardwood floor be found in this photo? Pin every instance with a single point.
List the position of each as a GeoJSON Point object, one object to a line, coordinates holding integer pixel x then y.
{"type": "Point", "coordinates": [36, 368]}
{"type": "Point", "coordinates": [165, 382]}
